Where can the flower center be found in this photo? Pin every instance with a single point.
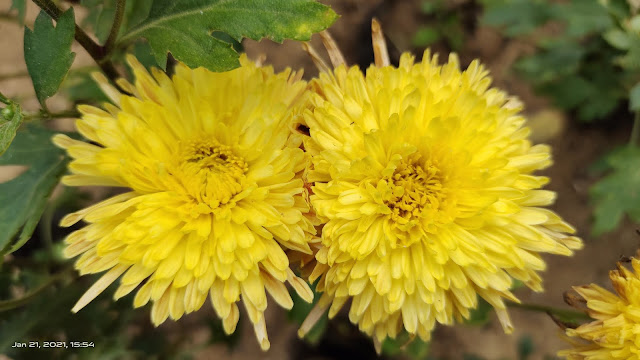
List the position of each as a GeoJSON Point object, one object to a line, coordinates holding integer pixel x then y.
{"type": "Point", "coordinates": [212, 173]}
{"type": "Point", "coordinates": [416, 192]}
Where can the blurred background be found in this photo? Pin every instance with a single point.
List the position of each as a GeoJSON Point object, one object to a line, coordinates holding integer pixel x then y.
{"type": "Point", "coordinates": [574, 64]}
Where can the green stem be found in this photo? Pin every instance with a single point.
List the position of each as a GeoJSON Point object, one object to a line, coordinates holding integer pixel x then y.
{"type": "Point", "coordinates": [115, 28]}
{"type": "Point", "coordinates": [96, 51]}
{"type": "Point", "coordinates": [47, 116]}
{"type": "Point", "coordinates": [550, 310]}
{"type": "Point", "coordinates": [15, 303]}
{"type": "Point", "coordinates": [635, 131]}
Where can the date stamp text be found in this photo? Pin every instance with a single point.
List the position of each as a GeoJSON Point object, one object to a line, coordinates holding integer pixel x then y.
{"type": "Point", "coordinates": [54, 344]}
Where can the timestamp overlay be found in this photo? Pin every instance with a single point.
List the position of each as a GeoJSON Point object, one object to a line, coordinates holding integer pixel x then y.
{"type": "Point", "coordinates": [53, 344]}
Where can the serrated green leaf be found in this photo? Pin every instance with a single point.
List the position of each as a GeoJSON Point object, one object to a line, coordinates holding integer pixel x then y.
{"type": "Point", "coordinates": [184, 27]}
{"type": "Point", "coordinates": [9, 125]}
{"type": "Point", "coordinates": [47, 52]}
{"type": "Point", "coordinates": [21, 7]}
{"type": "Point", "coordinates": [24, 198]}
{"type": "Point", "coordinates": [618, 192]}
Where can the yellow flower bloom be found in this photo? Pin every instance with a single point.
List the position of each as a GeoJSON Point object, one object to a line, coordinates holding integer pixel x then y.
{"type": "Point", "coordinates": [423, 175]}
{"type": "Point", "coordinates": [215, 196]}
{"type": "Point", "coordinates": [615, 332]}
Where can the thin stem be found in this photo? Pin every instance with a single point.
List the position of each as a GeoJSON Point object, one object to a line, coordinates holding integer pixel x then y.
{"type": "Point", "coordinates": [4, 100]}
{"type": "Point", "coordinates": [635, 131]}
{"type": "Point", "coordinates": [46, 115]}
{"type": "Point", "coordinates": [115, 28]}
{"type": "Point", "coordinates": [14, 303]}
{"type": "Point", "coordinates": [550, 310]}
{"type": "Point", "coordinates": [96, 51]}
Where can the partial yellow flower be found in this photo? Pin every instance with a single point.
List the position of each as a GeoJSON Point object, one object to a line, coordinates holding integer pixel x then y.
{"type": "Point", "coordinates": [423, 175]}
{"type": "Point", "coordinates": [214, 195]}
{"type": "Point", "coordinates": [615, 331]}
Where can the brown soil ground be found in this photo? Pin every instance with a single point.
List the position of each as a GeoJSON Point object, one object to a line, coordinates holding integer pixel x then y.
{"type": "Point", "coordinates": [575, 147]}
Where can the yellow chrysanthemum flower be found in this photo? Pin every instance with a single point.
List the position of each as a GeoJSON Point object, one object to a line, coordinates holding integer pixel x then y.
{"type": "Point", "coordinates": [215, 196]}
{"type": "Point", "coordinates": [423, 175]}
{"type": "Point", "coordinates": [615, 332]}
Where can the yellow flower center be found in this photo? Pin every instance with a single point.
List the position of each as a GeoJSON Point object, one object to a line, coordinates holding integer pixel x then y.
{"type": "Point", "coordinates": [415, 188]}
{"type": "Point", "coordinates": [212, 173]}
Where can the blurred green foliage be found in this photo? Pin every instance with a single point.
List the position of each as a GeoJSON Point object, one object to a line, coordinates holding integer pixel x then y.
{"type": "Point", "coordinates": [587, 51]}
{"type": "Point", "coordinates": [443, 23]}
{"type": "Point", "coordinates": [587, 60]}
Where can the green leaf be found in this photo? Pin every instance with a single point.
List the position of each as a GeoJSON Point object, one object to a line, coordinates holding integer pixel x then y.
{"type": "Point", "coordinates": [184, 27]}
{"type": "Point", "coordinates": [24, 198]}
{"type": "Point", "coordinates": [102, 12]}
{"type": "Point", "coordinates": [619, 192]}
{"type": "Point", "coordinates": [47, 52]}
{"type": "Point", "coordinates": [21, 6]}
{"type": "Point", "coordinates": [10, 120]}
{"type": "Point", "coordinates": [634, 98]}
